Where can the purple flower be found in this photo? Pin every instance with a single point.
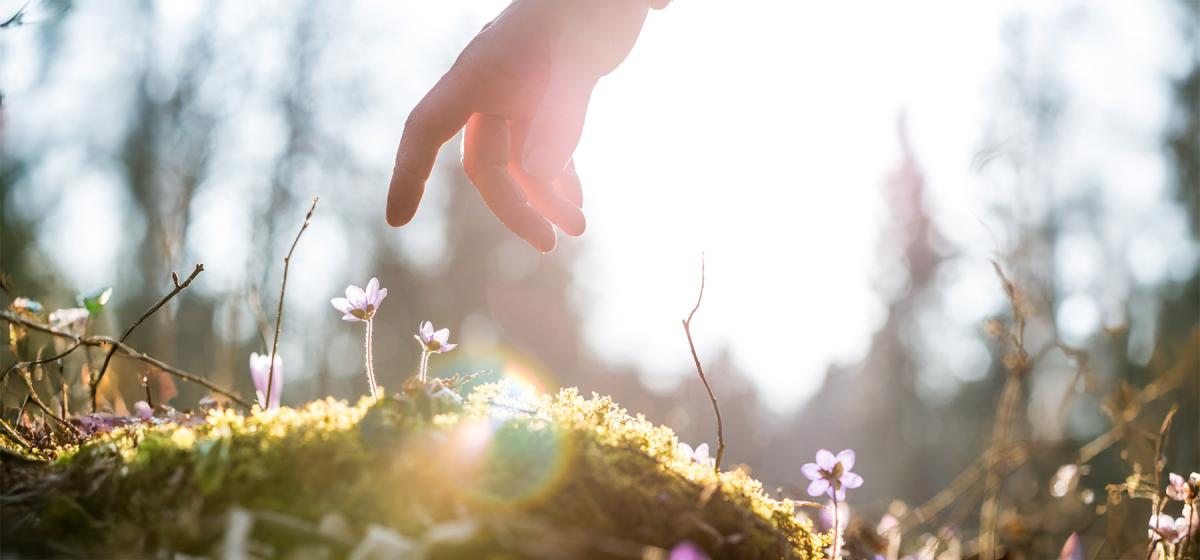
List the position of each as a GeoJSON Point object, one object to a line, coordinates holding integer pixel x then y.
{"type": "Point", "coordinates": [699, 455]}
{"type": "Point", "coordinates": [360, 304]}
{"type": "Point", "coordinates": [434, 342]}
{"type": "Point", "coordinates": [1178, 488]}
{"type": "Point", "coordinates": [831, 475]}
{"type": "Point", "coordinates": [142, 410]}
{"type": "Point", "coordinates": [260, 371]}
{"type": "Point", "coordinates": [686, 550]}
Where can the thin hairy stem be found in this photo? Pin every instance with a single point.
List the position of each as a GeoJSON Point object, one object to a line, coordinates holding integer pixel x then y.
{"type": "Point", "coordinates": [370, 334]}
{"type": "Point", "coordinates": [423, 370]}
{"type": "Point", "coordinates": [687, 330]}
{"type": "Point", "coordinates": [837, 527]}
{"type": "Point", "coordinates": [95, 385]}
{"type": "Point", "coordinates": [283, 291]}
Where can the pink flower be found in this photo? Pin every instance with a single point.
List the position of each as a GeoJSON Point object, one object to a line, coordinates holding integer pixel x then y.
{"type": "Point", "coordinates": [1167, 528]}
{"type": "Point", "coordinates": [1072, 549]}
{"type": "Point", "coordinates": [360, 304]}
{"type": "Point", "coordinates": [260, 371]}
{"type": "Point", "coordinates": [142, 410]}
{"type": "Point", "coordinates": [686, 550]}
{"type": "Point", "coordinates": [1178, 488]}
{"type": "Point", "coordinates": [831, 475]}
{"type": "Point", "coordinates": [434, 342]}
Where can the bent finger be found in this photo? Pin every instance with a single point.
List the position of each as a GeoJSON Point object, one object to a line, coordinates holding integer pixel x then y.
{"type": "Point", "coordinates": [485, 158]}
{"type": "Point", "coordinates": [569, 186]}
{"type": "Point", "coordinates": [540, 191]}
{"type": "Point", "coordinates": [434, 121]}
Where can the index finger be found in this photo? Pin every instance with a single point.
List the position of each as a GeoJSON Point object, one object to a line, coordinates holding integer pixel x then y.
{"type": "Point", "coordinates": [434, 121]}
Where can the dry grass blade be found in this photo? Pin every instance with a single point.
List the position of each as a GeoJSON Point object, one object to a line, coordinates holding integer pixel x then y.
{"type": "Point", "coordinates": [1159, 462]}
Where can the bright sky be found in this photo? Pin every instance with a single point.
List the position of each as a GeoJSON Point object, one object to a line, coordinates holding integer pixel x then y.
{"type": "Point", "coordinates": [758, 132]}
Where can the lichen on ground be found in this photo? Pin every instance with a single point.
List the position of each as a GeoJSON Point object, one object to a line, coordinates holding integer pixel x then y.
{"type": "Point", "coordinates": [505, 474]}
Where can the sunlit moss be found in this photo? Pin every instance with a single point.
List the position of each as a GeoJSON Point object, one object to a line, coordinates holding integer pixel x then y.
{"type": "Point", "coordinates": [510, 461]}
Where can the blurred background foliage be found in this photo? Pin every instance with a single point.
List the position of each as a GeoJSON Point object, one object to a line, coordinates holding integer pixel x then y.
{"type": "Point", "coordinates": [181, 133]}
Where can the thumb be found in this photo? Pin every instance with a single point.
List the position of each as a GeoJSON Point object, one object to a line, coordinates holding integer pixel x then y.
{"type": "Point", "coordinates": [557, 125]}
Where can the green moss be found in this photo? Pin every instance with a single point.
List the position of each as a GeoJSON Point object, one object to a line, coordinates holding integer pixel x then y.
{"type": "Point", "coordinates": [507, 472]}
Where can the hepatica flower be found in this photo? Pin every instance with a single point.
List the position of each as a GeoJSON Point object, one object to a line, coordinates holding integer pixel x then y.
{"type": "Point", "coordinates": [142, 410]}
{"type": "Point", "coordinates": [260, 371]}
{"type": "Point", "coordinates": [432, 342]}
{"type": "Point", "coordinates": [360, 305]}
{"type": "Point", "coordinates": [831, 474]}
{"type": "Point", "coordinates": [699, 455]}
{"type": "Point", "coordinates": [1179, 488]}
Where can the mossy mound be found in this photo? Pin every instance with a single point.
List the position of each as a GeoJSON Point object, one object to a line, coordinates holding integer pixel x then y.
{"type": "Point", "coordinates": [505, 474]}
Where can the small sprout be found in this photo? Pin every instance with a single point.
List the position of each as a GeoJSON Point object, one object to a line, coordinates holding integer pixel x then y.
{"type": "Point", "coordinates": [260, 370]}
{"type": "Point", "coordinates": [699, 455]}
{"type": "Point", "coordinates": [831, 475]}
{"type": "Point", "coordinates": [142, 410]}
{"type": "Point", "coordinates": [94, 301]}
{"type": "Point", "coordinates": [360, 305]}
{"type": "Point", "coordinates": [26, 307]}
{"type": "Point", "coordinates": [432, 342]}
{"type": "Point", "coordinates": [72, 319]}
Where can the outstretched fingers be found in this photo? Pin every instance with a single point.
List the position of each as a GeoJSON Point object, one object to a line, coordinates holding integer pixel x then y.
{"type": "Point", "coordinates": [433, 122]}
{"type": "Point", "coordinates": [485, 160]}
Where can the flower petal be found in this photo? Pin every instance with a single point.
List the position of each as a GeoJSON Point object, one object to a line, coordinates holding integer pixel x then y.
{"type": "Point", "coordinates": [812, 471]}
{"type": "Point", "coordinates": [851, 480]}
{"type": "Point", "coordinates": [685, 451]}
{"type": "Point", "coordinates": [442, 336]}
{"type": "Point", "coordinates": [357, 297]}
{"type": "Point", "coordinates": [341, 304]}
{"type": "Point", "coordinates": [818, 487]}
{"type": "Point", "coordinates": [840, 493]}
{"type": "Point", "coordinates": [702, 452]}
{"type": "Point", "coordinates": [846, 458]}
{"type": "Point", "coordinates": [447, 348]}
{"type": "Point", "coordinates": [426, 331]}
{"type": "Point", "coordinates": [825, 459]}
{"type": "Point", "coordinates": [379, 297]}
{"type": "Point", "coordinates": [350, 318]}
{"type": "Point", "coordinates": [372, 290]}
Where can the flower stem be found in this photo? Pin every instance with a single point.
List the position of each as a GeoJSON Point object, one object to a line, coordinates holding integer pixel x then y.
{"type": "Point", "coordinates": [423, 372]}
{"type": "Point", "coordinates": [837, 530]}
{"type": "Point", "coordinates": [370, 364]}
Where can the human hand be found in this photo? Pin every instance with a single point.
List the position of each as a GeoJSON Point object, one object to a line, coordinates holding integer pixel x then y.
{"type": "Point", "coordinates": [521, 89]}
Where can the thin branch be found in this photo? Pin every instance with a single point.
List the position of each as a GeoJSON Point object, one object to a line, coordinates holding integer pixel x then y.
{"type": "Point", "coordinates": [687, 329]}
{"type": "Point", "coordinates": [282, 291]}
{"type": "Point", "coordinates": [38, 401]}
{"type": "Point", "coordinates": [1159, 462]}
{"type": "Point", "coordinates": [104, 341]}
{"type": "Point", "coordinates": [95, 385]}
{"type": "Point", "coordinates": [12, 433]}
{"type": "Point", "coordinates": [39, 362]}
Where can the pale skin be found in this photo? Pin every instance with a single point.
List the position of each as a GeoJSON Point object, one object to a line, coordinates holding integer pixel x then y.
{"type": "Point", "coordinates": [520, 90]}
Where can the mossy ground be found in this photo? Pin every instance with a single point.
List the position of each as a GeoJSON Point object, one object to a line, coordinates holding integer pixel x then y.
{"type": "Point", "coordinates": [505, 474]}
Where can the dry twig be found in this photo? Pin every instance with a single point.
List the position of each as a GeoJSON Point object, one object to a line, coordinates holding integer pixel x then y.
{"type": "Point", "coordinates": [95, 384]}
{"type": "Point", "coordinates": [282, 291]}
{"type": "Point", "coordinates": [104, 341]}
{"type": "Point", "coordinates": [687, 329]}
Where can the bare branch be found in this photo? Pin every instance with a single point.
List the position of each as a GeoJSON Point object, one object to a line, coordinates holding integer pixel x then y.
{"type": "Point", "coordinates": [95, 384]}
{"type": "Point", "coordinates": [687, 329]}
{"type": "Point", "coordinates": [104, 341]}
{"type": "Point", "coordinates": [282, 291]}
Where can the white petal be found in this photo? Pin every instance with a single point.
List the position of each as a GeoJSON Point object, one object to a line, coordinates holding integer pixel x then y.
{"type": "Point", "coordinates": [341, 304]}
{"type": "Point", "coordinates": [442, 336]}
{"type": "Point", "coordinates": [846, 458]}
{"type": "Point", "coordinates": [702, 452]}
{"type": "Point", "coordinates": [825, 459]}
{"type": "Point", "coordinates": [356, 295]}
